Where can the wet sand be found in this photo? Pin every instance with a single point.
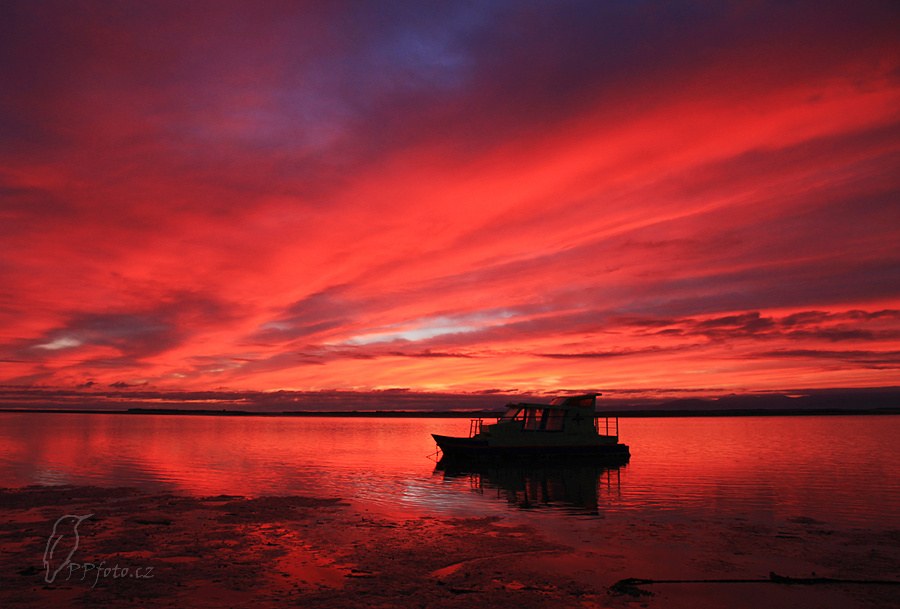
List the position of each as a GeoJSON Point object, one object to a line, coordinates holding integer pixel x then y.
{"type": "Point", "coordinates": [264, 552]}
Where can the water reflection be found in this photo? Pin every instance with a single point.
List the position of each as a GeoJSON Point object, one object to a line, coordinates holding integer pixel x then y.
{"type": "Point", "coordinates": [583, 488]}
{"type": "Point", "coordinates": [838, 469]}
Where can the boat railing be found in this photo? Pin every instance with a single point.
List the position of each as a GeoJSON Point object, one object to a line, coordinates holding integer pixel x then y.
{"type": "Point", "coordinates": [474, 427]}
{"type": "Point", "coordinates": [608, 426]}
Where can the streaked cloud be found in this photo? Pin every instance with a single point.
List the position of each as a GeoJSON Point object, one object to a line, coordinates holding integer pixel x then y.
{"type": "Point", "coordinates": [451, 198]}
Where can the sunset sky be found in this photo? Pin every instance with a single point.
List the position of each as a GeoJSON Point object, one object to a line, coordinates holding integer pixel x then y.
{"type": "Point", "coordinates": [450, 196]}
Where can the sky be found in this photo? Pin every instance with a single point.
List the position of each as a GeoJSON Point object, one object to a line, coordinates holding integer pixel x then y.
{"type": "Point", "coordinates": [450, 196]}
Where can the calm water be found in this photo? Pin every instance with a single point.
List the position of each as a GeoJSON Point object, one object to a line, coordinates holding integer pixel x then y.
{"type": "Point", "coordinates": [835, 469]}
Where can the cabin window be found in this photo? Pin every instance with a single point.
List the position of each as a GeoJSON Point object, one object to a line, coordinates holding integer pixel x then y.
{"type": "Point", "coordinates": [543, 419]}
{"type": "Point", "coordinates": [533, 418]}
{"type": "Point", "coordinates": [513, 414]}
{"type": "Point", "coordinates": [554, 419]}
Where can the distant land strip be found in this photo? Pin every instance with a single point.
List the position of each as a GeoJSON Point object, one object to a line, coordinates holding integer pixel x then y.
{"type": "Point", "coordinates": [421, 414]}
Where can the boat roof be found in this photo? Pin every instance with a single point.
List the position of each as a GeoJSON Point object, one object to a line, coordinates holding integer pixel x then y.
{"type": "Point", "coordinates": [565, 402]}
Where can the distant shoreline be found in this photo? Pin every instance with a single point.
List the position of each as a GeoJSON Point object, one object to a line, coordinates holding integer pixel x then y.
{"type": "Point", "coordinates": [407, 414]}
{"type": "Point", "coordinates": [404, 403]}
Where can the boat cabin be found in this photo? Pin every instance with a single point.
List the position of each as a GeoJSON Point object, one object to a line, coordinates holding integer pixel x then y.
{"type": "Point", "coordinates": [563, 413]}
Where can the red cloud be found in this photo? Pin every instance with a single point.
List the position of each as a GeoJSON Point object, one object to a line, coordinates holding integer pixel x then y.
{"type": "Point", "coordinates": [460, 197]}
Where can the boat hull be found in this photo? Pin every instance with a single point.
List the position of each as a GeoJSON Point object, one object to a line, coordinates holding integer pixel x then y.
{"type": "Point", "coordinates": [468, 448]}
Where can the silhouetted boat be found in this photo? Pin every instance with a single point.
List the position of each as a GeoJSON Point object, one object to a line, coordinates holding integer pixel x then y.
{"type": "Point", "coordinates": [566, 427]}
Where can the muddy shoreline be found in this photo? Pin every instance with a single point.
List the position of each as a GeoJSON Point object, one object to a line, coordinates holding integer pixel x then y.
{"type": "Point", "coordinates": [163, 550]}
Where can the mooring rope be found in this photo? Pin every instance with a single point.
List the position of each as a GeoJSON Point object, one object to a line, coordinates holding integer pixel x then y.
{"type": "Point", "coordinates": [630, 586]}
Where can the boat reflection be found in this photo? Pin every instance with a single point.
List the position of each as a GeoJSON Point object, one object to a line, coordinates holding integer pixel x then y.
{"type": "Point", "coordinates": [580, 489]}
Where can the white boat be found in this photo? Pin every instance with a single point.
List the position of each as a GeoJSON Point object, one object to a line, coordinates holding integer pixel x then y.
{"type": "Point", "coordinates": [568, 426]}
